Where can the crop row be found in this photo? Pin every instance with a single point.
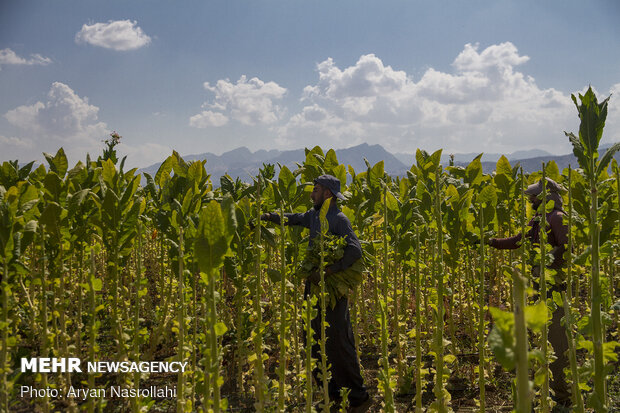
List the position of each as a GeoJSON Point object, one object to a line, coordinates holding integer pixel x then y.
{"type": "Point", "coordinates": [99, 264]}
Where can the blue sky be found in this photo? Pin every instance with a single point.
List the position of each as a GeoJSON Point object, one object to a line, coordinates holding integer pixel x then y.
{"type": "Point", "coordinates": [210, 76]}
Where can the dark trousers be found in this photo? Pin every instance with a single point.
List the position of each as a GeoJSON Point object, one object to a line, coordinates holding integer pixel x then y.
{"type": "Point", "coordinates": [556, 334]}
{"type": "Point", "coordinates": [341, 354]}
{"type": "Point", "coordinates": [559, 341]}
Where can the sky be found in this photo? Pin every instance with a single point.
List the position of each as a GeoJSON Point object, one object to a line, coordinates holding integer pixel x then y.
{"type": "Point", "coordinates": [211, 76]}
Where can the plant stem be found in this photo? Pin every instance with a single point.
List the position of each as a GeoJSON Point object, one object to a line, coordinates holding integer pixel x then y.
{"type": "Point", "coordinates": [599, 394]}
{"type": "Point", "coordinates": [283, 349]}
{"type": "Point", "coordinates": [481, 316]}
{"type": "Point", "coordinates": [418, 330]}
{"type": "Point", "coordinates": [542, 244]}
{"type": "Point", "coordinates": [523, 402]}
{"type": "Point", "coordinates": [258, 337]}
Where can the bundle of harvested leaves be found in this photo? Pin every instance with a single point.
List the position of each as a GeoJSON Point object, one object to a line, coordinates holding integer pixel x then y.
{"type": "Point", "coordinates": [337, 284]}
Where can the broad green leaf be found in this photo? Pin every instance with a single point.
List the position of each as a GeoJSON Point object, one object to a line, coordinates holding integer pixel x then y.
{"type": "Point", "coordinates": [537, 316]}
{"type": "Point", "coordinates": [58, 163]}
{"type": "Point", "coordinates": [392, 202]}
{"type": "Point", "coordinates": [592, 116]}
{"type": "Point", "coordinates": [163, 173]}
{"type": "Point", "coordinates": [50, 215]}
{"type": "Point", "coordinates": [503, 167]}
{"type": "Point", "coordinates": [502, 347]}
{"type": "Point", "coordinates": [323, 215]}
{"type": "Point", "coordinates": [420, 157]}
{"type": "Point", "coordinates": [579, 151]}
{"type": "Point", "coordinates": [375, 175]}
{"type": "Point", "coordinates": [351, 172]}
{"type": "Point", "coordinates": [220, 328]}
{"type": "Point", "coordinates": [433, 160]}
{"type": "Point", "coordinates": [287, 183]}
{"type": "Point", "coordinates": [78, 172]}
{"type": "Point", "coordinates": [195, 171]}
{"type": "Point", "coordinates": [53, 184]}
{"type": "Point", "coordinates": [340, 172]}
{"type": "Point", "coordinates": [8, 174]}
{"type": "Point", "coordinates": [109, 172]}
{"type": "Point", "coordinates": [331, 161]}
{"type": "Point", "coordinates": [230, 217]}
{"type": "Point", "coordinates": [76, 199]}
{"type": "Point", "coordinates": [109, 209]}
{"type": "Point", "coordinates": [452, 194]}
{"type": "Point", "coordinates": [187, 203]}
{"type": "Point", "coordinates": [552, 171]}
{"type": "Point", "coordinates": [28, 196]}
{"type": "Point", "coordinates": [473, 172]}
{"type": "Point", "coordinates": [607, 157]}
{"type": "Point", "coordinates": [180, 166]}
{"type": "Point", "coordinates": [211, 244]}
{"type": "Point", "coordinates": [274, 275]}
{"type": "Point", "coordinates": [487, 196]}
{"type": "Point", "coordinates": [38, 174]}
{"type": "Point", "coordinates": [97, 284]}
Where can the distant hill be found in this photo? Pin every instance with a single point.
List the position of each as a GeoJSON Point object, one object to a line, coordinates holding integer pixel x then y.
{"type": "Point", "coordinates": [243, 163]}
{"type": "Point", "coordinates": [409, 158]}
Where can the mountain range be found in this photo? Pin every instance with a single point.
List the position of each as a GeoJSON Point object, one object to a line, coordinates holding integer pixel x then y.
{"type": "Point", "coordinates": [245, 164]}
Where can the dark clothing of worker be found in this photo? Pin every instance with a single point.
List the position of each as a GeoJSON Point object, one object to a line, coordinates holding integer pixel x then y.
{"type": "Point", "coordinates": [338, 225]}
{"type": "Point", "coordinates": [340, 343]}
{"type": "Point", "coordinates": [557, 237]}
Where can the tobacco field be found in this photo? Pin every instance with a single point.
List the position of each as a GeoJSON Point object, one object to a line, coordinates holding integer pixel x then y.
{"type": "Point", "coordinates": [103, 263]}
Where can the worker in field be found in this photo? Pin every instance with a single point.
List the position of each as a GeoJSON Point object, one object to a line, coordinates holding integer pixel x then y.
{"type": "Point", "coordinates": [557, 237]}
{"type": "Point", "coordinates": [340, 345]}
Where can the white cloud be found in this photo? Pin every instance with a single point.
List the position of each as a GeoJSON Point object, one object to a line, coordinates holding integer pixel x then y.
{"type": "Point", "coordinates": [16, 142]}
{"type": "Point", "coordinates": [503, 56]}
{"type": "Point", "coordinates": [250, 102]}
{"type": "Point", "coordinates": [63, 119]}
{"type": "Point", "coordinates": [63, 115]}
{"type": "Point", "coordinates": [611, 133]}
{"type": "Point", "coordinates": [208, 118]}
{"type": "Point", "coordinates": [117, 35]}
{"type": "Point", "coordinates": [9, 57]}
{"type": "Point", "coordinates": [484, 102]}
{"type": "Point", "coordinates": [317, 125]}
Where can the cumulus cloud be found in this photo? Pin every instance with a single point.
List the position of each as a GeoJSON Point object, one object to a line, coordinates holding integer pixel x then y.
{"type": "Point", "coordinates": [208, 118]}
{"type": "Point", "coordinates": [62, 119]}
{"type": "Point", "coordinates": [485, 101]}
{"type": "Point", "coordinates": [250, 102]}
{"type": "Point", "coordinates": [9, 57]}
{"type": "Point", "coordinates": [64, 114]}
{"type": "Point", "coordinates": [321, 127]}
{"type": "Point", "coordinates": [611, 133]}
{"type": "Point", "coordinates": [503, 56]}
{"type": "Point", "coordinates": [119, 35]}
{"type": "Point", "coordinates": [15, 142]}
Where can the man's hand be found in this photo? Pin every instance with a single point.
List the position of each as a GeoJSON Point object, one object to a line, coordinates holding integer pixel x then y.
{"type": "Point", "coordinates": [265, 217]}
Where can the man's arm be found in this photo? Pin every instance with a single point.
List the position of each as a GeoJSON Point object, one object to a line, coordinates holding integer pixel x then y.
{"type": "Point", "coordinates": [302, 219]}
{"type": "Point", "coordinates": [510, 243]}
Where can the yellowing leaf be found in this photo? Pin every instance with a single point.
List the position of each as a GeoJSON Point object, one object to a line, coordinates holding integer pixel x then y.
{"type": "Point", "coordinates": [537, 316]}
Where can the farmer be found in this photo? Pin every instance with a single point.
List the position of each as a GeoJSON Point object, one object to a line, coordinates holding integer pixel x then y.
{"type": "Point", "coordinates": [557, 236]}
{"type": "Point", "coordinates": [340, 345]}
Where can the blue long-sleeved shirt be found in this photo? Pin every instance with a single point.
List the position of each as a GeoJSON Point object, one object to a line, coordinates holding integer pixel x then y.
{"type": "Point", "coordinates": [339, 225]}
